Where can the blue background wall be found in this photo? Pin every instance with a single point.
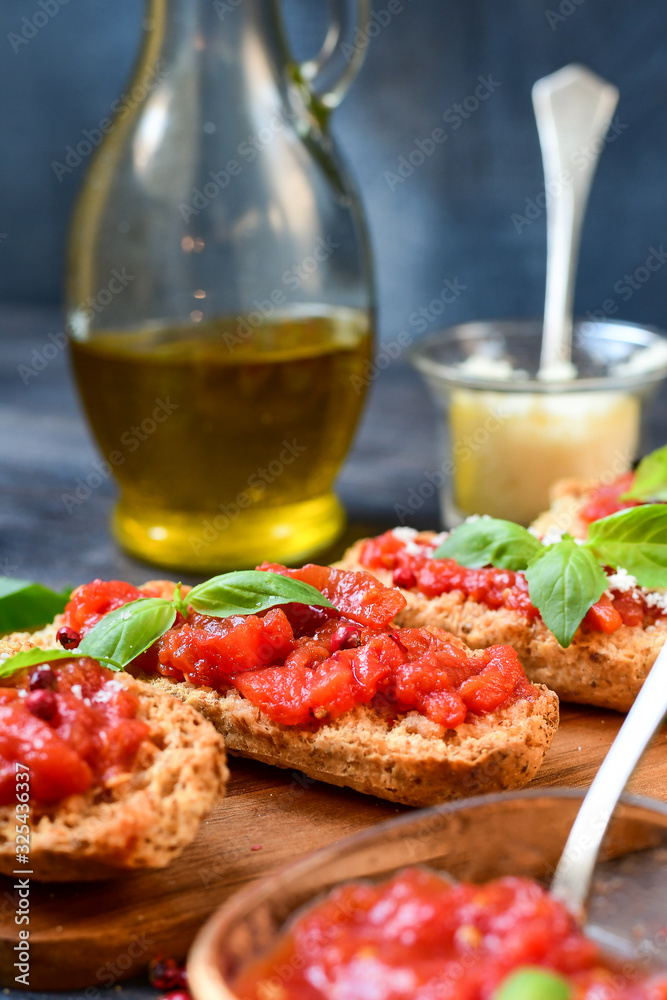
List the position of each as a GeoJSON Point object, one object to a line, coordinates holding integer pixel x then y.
{"type": "Point", "coordinates": [452, 218]}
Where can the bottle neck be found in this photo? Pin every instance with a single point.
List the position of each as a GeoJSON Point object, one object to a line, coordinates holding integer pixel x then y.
{"type": "Point", "coordinates": [221, 27]}
{"type": "Point", "coordinates": [235, 50]}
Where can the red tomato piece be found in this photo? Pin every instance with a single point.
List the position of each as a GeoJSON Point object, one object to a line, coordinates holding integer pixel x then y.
{"type": "Point", "coordinates": [208, 650]}
{"type": "Point", "coordinates": [93, 600]}
{"type": "Point", "coordinates": [290, 694]}
{"type": "Point", "coordinates": [603, 617]}
{"type": "Point", "coordinates": [372, 665]}
{"type": "Point", "coordinates": [330, 688]}
{"type": "Point", "coordinates": [357, 596]}
{"type": "Point", "coordinates": [92, 734]}
{"type": "Point", "coordinates": [309, 652]}
{"type": "Point", "coordinates": [631, 607]}
{"type": "Point", "coordinates": [381, 552]}
{"type": "Point", "coordinates": [606, 500]}
{"type": "Point", "coordinates": [306, 619]}
{"type": "Point", "coordinates": [447, 708]}
{"type": "Point", "coordinates": [56, 770]}
{"type": "Point", "coordinates": [484, 693]}
{"type": "Point", "coordinates": [417, 935]}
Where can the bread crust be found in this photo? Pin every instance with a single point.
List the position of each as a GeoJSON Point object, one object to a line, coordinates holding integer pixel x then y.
{"type": "Point", "coordinates": [414, 761]}
{"type": "Point", "coordinates": [149, 815]}
{"type": "Point", "coordinates": [596, 669]}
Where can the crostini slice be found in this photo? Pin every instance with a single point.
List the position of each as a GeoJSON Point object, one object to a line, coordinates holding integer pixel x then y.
{"type": "Point", "coordinates": [341, 695]}
{"type": "Point", "coordinates": [485, 607]}
{"type": "Point", "coordinates": [576, 503]}
{"type": "Point", "coordinates": [163, 769]}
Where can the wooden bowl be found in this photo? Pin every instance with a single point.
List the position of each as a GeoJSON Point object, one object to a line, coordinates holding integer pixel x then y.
{"type": "Point", "coordinates": [476, 840]}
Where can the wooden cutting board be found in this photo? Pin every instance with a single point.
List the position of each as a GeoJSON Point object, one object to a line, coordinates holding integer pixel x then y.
{"type": "Point", "coordinates": [96, 934]}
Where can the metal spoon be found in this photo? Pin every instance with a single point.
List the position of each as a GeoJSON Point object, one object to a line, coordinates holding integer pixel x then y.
{"type": "Point", "coordinates": [573, 108]}
{"type": "Point", "coordinates": [574, 873]}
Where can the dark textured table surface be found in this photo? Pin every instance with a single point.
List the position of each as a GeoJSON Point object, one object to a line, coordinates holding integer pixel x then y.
{"type": "Point", "coordinates": [45, 447]}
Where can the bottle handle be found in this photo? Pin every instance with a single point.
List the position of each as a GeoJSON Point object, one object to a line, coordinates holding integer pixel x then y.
{"type": "Point", "coordinates": [329, 74]}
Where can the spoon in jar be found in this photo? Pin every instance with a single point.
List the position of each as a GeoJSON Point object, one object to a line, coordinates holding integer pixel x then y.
{"type": "Point", "coordinates": [573, 108]}
{"type": "Point", "coordinates": [572, 880]}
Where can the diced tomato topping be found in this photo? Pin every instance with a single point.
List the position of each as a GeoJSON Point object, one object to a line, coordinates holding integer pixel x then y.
{"type": "Point", "coordinates": [445, 683]}
{"type": "Point", "coordinates": [606, 500]}
{"type": "Point", "coordinates": [56, 770]}
{"type": "Point", "coordinates": [374, 665]}
{"type": "Point", "coordinates": [302, 664]}
{"type": "Point", "coordinates": [305, 619]}
{"type": "Point", "coordinates": [496, 588]}
{"type": "Point", "coordinates": [91, 735]}
{"type": "Point", "coordinates": [603, 616]}
{"type": "Point", "coordinates": [489, 689]}
{"type": "Point", "coordinates": [298, 681]}
{"type": "Point", "coordinates": [381, 552]}
{"type": "Point", "coordinates": [207, 650]}
{"type": "Point", "coordinates": [94, 600]}
{"type": "Point", "coordinates": [291, 694]}
{"type": "Point", "coordinates": [357, 596]}
{"type": "Point", "coordinates": [416, 936]}
{"type": "Point", "coordinates": [632, 608]}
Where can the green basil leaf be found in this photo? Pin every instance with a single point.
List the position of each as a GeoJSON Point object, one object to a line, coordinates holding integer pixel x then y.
{"type": "Point", "coordinates": [32, 658]}
{"type": "Point", "coordinates": [533, 984]}
{"type": "Point", "coordinates": [490, 541]}
{"type": "Point", "coordinates": [248, 591]}
{"type": "Point", "coordinates": [563, 584]}
{"type": "Point", "coordinates": [635, 539]}
{"type": "Point", "coordinates": [650, 478]}
{"type": "Point", "coordinates": [26, 605]}
{"type": "Point", "coordinates": [128, 631]}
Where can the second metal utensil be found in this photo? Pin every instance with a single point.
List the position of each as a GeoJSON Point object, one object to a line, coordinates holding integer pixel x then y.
{"type": "Point", "coordinates": [574, 873]}
{"type": "Point", "coordinates": [573, 108]}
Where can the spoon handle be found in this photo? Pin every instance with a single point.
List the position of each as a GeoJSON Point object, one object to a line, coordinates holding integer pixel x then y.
{"type": "Point", "coordinates": [573, 108]}
{"type": "Point", "coordinates": [574, 873]}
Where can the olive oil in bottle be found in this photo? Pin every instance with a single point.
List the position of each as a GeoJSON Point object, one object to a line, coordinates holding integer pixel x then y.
{"type": "Point", "coordinates": [219, 289]}
{"type": "Point", "coordinates": [225, 444]}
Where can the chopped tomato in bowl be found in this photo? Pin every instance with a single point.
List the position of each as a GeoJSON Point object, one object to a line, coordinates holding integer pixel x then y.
{"type": "Point", "coordinates": [419, 937]}
{"type": "Point", "coordinates": [448, 903]}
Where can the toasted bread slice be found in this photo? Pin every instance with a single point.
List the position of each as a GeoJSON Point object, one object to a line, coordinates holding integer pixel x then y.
{"type": "Point", "coordinates": [596, 669]}
{"type": "Point", "coordinates": [412, 760]}
{"type": "Point", "coordinates": [147, 817]}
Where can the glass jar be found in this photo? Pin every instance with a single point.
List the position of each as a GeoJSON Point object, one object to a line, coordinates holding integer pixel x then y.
{"type": "Point", "coordinates": [220, 295]}
{"type": "Point", "coordinates": [507, 436]}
